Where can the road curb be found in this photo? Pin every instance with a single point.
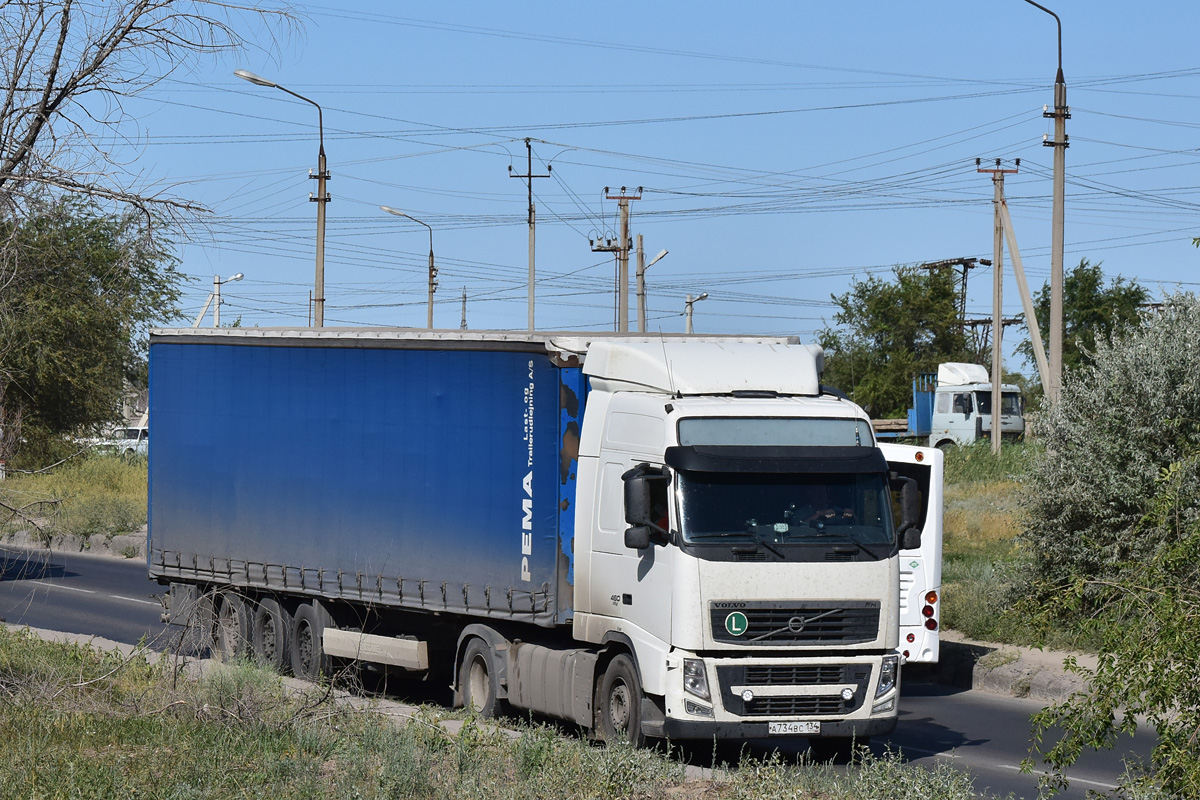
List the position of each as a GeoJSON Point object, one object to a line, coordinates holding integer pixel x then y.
{"type": "Point", "coordinates": [1003, 669]}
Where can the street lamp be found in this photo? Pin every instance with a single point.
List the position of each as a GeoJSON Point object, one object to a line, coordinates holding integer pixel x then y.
{"type": "Point", "coordinates": [1060, 114]}
{"type": "Point", "coordinates": [432, 269]}
{"type": "Point", "coordinates": [687, 308]}
{"type": "Point", "coordinates": [215, 295]}
{"type": "Point", "coordinates": [321, 199]}
{"type": "Point", "coordinates": [641, 284]}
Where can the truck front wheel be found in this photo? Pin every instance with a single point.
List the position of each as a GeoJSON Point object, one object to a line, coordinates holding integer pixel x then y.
{"type": "Point", "coordinates": [307, 646]}
{"type": "Point", "coordinates": [475, 676]}
{"type": "Point", "coordinates": [620, 706]}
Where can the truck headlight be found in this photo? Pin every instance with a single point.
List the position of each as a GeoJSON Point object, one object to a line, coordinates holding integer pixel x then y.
{"type": "Point", "coordinates": [695, 679]}
{"type": "Point", "coordinates": [887, 675]}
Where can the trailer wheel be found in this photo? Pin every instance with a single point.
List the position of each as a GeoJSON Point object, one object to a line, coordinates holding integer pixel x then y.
{"type": "Point", "coordinates": [306, 648]}
{"type": "Point", "coordinates": [270, 634]}
{"type": "Point", "coordinates": [475, 676]}
{"type": "Point", "coordinates": [231, 629]}
{"type": "Point", "coordinates": [620, 706]}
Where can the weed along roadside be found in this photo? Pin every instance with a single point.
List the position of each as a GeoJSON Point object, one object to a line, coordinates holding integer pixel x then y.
{"type": "Point", "coordinates": [102, 720]}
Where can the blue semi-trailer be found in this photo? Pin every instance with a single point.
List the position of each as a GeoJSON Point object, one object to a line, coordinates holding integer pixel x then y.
{"type": "Point", "coordinates": [679, 536]}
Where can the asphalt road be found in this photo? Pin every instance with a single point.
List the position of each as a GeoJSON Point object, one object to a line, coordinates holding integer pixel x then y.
{"type": "Point", "coordinates": [986, 734]}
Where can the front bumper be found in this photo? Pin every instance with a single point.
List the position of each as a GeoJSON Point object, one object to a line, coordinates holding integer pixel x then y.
{"type": "Point", "coordinates": [696, 729]}
{"type": "Point", "coordinates": [748, 694]}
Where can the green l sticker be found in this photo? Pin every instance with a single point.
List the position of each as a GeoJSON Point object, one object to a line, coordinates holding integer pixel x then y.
{"type": "Point", "coordinates": [736, 623]}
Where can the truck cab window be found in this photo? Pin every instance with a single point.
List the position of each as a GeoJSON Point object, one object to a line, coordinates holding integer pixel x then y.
{"type": "Point", "coordinates": [962, 403]}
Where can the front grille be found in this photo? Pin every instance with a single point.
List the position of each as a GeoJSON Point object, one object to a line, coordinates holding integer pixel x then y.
{"type": "Point", "coordinates": [795, 675]}
{"type": "Point", "coordinates": [846, 622]}
{"type": "Point", "coordinates": [732, 679]}
{"type": "Point", "coordinates": [793, 706]}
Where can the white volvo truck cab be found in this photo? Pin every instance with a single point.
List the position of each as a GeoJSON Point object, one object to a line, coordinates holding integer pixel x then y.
{"type": "Point", "coordinates": [740, 543]}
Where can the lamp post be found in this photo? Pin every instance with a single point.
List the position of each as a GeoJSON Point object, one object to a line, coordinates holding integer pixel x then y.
{"type": "Point", "coordinates": [321, 199]}
{"type": "Point", "coordinates": [432, 269]}
{"type": "Point", "coordinates": [1060, 115]}
{"type": "Point", "coordinates": [215, 294]}
{"type": "Point", "coordinates": [687, 308]}
{"type": "Point", "coordinates": [641, 283]}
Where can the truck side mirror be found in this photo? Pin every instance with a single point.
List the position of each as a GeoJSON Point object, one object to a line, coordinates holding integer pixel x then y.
{"type": "Point", "coordinates": [637, 537]}
{"type": "Point", "coordinates": [640, 511]}
{"type": "Point", "coordinates": [637, 497]}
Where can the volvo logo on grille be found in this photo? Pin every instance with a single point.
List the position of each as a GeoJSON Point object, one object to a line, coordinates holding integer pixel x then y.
{"type": "Point", "coordinates": [796, 624]}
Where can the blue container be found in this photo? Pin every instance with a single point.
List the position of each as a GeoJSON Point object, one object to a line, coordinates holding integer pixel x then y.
{"type": "Point", "coordinates": [386, 471]}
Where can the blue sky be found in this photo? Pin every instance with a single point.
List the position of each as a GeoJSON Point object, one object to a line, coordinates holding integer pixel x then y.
{"type": "Point", "coordinates": [783, 149]}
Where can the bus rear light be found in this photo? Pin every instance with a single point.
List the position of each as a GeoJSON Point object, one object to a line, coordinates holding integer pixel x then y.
{"type": "Point", "coordinates": [931, 624]}
{"type": "Point", "coordinates": [927, 611]}
{"type": "Point", "coordinates": [912, 637]}
{"type": "Point", "coordinates": [931, 597]}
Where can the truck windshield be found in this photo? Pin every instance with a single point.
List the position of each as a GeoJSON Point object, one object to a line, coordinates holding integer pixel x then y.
{"type": "Point", "coordinates": [784, 508]}
{"type": "Point", "coordinates": [1010, 402]}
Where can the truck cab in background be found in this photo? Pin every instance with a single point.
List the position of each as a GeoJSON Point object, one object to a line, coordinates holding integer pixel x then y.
{"type": "Point", "coordinates": [962, 407]}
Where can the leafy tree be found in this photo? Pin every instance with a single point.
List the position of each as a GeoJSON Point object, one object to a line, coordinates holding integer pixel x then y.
{"type": "Point", "coordinates": [90, 283]}
{"type": "Point", "coordinates": [888, 331]}
{"type": "Point", "coordinates": [1091, 312]}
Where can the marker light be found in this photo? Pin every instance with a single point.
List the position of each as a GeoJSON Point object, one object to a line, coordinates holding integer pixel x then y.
{"type": "Point", "coordinates": [931, 624]}
{"type": "Point", "coordinates": [912, 637]}
{"type": "Point", "coordinates": [927, 611]}
{"type": "Point", "coordinates": [931, 597]}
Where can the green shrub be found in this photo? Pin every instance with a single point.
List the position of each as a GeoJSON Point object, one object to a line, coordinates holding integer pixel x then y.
{"type": "Point", "coordinates": [1116, 426]}
{"type": "Point", "coordinates": [95, 495]}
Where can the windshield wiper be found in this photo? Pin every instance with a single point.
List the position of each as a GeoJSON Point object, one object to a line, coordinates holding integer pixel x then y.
{"type": "Point", "coordinates": [844, 537]}
{"type": "Point", "coordinates": [754, 537]}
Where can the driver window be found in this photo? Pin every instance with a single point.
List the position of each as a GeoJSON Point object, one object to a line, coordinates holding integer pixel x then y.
{"type": "Point", "coordinates": [962, 403]}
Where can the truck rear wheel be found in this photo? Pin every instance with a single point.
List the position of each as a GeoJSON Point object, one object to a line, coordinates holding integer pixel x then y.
{"type": "Point", "coordinates": [307, 642]}
{"type": "Point", "coordinates": [477, 681]}
{"type": "Point", "coordinates": [620, 706]}
{"type": "Point", "coordinates": [231, 630]}
{"type": "Point", "coordinates": [270, 634]}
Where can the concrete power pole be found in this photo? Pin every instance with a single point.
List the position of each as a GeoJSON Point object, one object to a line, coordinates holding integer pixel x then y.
{"type": "Point", "coordinates": [462, 325]}
{"type": "Point", "coordinates": [529, 176]}
{"type": "Point", "coordinates": [997, 292]}
{"type": "Point", "coordinates": [623, 201]}
{"type": "Point", "coordinates": [1060, 114]}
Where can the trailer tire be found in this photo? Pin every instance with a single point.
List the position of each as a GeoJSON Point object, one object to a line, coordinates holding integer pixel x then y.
{"type": "Point", "coordinates": [307, 649]}
{"type": "Point", "coordinates": [270, 634]}
{"type": "Point", "coordinates": [231, 626]}
{"type": "Point", "coordinates": [620, 703]}
{"type": "Point", "coordinates": [477, 680]}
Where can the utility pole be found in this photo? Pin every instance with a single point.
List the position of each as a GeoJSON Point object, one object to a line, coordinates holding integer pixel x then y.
{"type": "Point", "coordinates": [623, 201]}
{"type": "Point", "coordinates": [997, 290]}
{"type": "Point", "coordinates": [967, 265]}
{"type": "Point", "coordinates": [462, 325]}
{"type": "Point", "coordinates": [1060, 114]}
{"type": "Point", "coordinates": [529, 176]}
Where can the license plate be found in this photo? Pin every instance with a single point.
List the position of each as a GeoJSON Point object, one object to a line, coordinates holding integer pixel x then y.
{"type": "Point", "coordinates": [793, 728]}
